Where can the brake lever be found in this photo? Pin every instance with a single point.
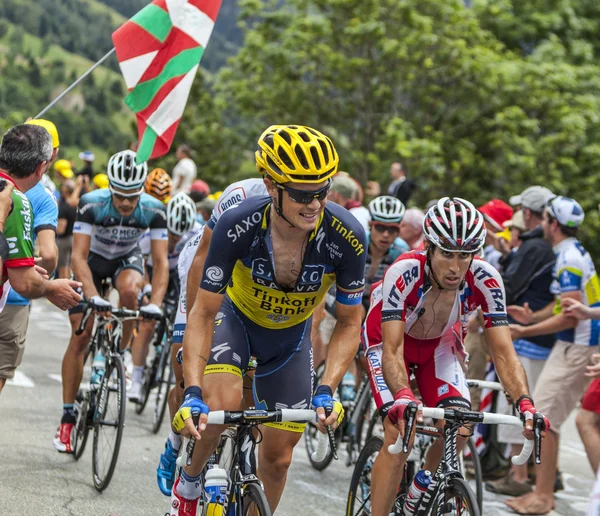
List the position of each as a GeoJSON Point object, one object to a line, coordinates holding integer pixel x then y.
{"type": "Point", "coordinates": [86, 315]}
{"type": "Point", "coordinates": [410, 414]}
{"type": "Point", "coordinates": [192, 442]}
{"type": "Point", "coordinates": [331, 434]}
{"type": "Point", "coordinates": [538, 427]}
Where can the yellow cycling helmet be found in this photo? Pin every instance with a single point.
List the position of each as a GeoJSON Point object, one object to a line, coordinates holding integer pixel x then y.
{"type": "Point", "coordinates": [296, 154]}
{"type": "Point", "coordinates": [63, 167]}
{"type": "Point", "coordinates": [49, 126]}
{"type": "Point", "coordinates": [100, 180]}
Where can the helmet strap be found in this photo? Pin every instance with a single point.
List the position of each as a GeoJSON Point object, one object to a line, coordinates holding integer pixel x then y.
{"type": "Point", "coordinates": [278, 206]}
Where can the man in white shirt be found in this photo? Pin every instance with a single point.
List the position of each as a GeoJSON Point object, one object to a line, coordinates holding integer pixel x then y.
{"type": "Point", "coordinates": [185, 171]}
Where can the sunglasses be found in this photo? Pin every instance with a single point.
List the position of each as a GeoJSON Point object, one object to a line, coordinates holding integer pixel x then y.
{"type": "Point", "coordinates": [306, 196]}
{"type": "Point", "coordinates": [120, 196]}
{"type": "Point", "coordinates": [382, 228]}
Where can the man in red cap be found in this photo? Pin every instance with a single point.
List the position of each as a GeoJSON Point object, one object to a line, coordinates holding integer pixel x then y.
{"type": "Point", "coordinates": [495, 213]}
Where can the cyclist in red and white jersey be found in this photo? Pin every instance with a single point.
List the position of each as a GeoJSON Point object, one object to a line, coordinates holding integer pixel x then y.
{"type": "Point", "coordinates": [416, 323]}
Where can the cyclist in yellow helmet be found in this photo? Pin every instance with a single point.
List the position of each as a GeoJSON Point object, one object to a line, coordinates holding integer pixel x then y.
{"type": "Point", "coordinates": [159, 185]}
{"type": "Point", "coordinates": [100, 181]}
{"type": "Point", "coordinates": [269, 264]}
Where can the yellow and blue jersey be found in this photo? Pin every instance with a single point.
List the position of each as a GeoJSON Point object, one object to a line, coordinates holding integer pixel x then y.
{"type": "Point", "coordinates": [239, 263]}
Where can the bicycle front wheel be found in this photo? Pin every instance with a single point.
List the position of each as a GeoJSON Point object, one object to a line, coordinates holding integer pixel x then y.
{"type": "Point", "coordinates": [478, 475]}
{"type": "Point", "coordinates": [109, 422]}
{"type": "Point", "coordinates": [166, 377]}
{"type": "Point", "coordinates": [254, 501]}
{"type": "Point", "coordinates": [359, 496]}
{"type": "Point", "coordinates": [460, 499]}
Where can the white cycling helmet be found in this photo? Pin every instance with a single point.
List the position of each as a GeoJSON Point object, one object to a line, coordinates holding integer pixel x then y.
{"type": "Point", "coordinates": [387, 209]}
{"type": "Point", "coordinates": [123, 173]}
{"type": "Point", "coordinates": [181, 214]}
{"type": "Point", "coordinates": [455, 225]}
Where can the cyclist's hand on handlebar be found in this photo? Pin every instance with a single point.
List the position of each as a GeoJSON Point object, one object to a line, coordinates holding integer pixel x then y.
{"type": "Point", "coordinates": [151, 311]}
{"type": "Point", "coordinates": [323, 400]}
{"type": "Point", "coordinates": [527, 411]}
{"type": "Point", "coordinates": [100, 305]}
{"type": "Point", "coordinates": [401, 401]}
{"type": "Point", "coordinates": [192, 405]}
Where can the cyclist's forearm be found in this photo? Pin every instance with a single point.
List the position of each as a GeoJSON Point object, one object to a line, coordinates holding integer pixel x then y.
{"type": "Point", "coordinates": [197, 344]}
{"type": "Point", "coordinates": [160, 281]}
{"type": "Point", "coordinates": [392, 361]}
{"type": "Point", "coordinates": [83, 274]}
{"type": "Point", "coordinates": [508, 366]}
{"type": "Point", "coordinates": [342, 350]}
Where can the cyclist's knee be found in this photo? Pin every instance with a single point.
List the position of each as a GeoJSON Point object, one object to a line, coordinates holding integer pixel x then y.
{"type": "Point", "coordinates": [128, 295]}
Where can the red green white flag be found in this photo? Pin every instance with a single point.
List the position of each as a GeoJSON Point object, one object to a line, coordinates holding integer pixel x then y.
{"type": "Point", "coordinates": [159, 51]}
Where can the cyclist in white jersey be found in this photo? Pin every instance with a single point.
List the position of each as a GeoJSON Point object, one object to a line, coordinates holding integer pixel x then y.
{"type": "Point", "coordinates": [181, 226]}
{"type": "Point", "coordinates": [190, 266]}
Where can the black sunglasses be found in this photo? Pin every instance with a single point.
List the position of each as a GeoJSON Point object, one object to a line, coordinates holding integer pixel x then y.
{"type": "Point", "coordinates": [306, 196]}
{"type": "Point", "coordinates": [382, 228]}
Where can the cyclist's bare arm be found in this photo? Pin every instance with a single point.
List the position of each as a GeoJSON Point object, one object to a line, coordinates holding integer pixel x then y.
{"type": "Point", "coordinates": [196, 269]}
{"type": "Point", "coordinates": [160, 270]}
{"type": "Point", "coordinates": [79, 262]}
{"type": "Point", "coordinates": [394, 370]}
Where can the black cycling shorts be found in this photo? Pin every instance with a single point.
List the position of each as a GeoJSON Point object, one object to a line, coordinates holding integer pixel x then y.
{"type": "Point", "coordinates": [102, 268]}
{"type": "Point", "coordinates": [284, 371]}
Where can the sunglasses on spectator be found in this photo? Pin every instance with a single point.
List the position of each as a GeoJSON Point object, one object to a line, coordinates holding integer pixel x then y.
{"type": "Point", "coordinates": [382, 228]}
{"type": "Point", "coordinates": [306, 196]}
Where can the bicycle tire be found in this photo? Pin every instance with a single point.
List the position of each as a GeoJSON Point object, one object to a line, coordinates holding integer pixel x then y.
{"type": "Point", "coordinates": [363, 406]}
{"type": "Point", "coordinates": [478, 473]}
{"type": "Point", "coordinates": [81, 428]}
{"type": "Point", "coordinates": [116, 367]}
{"type": "Point", "coordinates": [164, 386]}
{"type": "Point", "coordinates": [150, 371]}
{"type": "Point", "coordinates": [361, 477]}
{"type": "Point", "coordinates": [254, 498]}
{"type": "Point", "coordinates": [459, 489]}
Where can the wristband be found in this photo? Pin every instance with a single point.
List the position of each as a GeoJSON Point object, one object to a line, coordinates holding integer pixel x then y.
{"type": "Point", "coordinates": [524, 397]}
{"type": "Point", "coordinates": [3, 247]}
{"type": "Point", "coordinates": [404, 393]}
{"type": "Point", "coordinates": [193, 391]}
{"type": "Point", "coordinates": [324, 389]}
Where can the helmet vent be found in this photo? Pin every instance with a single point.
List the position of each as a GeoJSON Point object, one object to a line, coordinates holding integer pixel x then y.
{"type": "Point", "coordinates": [286, 136]}
{"type": "Point", "coordinates": [285, 158]}
{"type": "Point", "coordinates": [325, 150]}
{"type": "Point", "coordinates": [301, 156]}
{"type": "Point", "coordinates": [304, 136]}
{"type": "Point", "coordinates": [315, 156]}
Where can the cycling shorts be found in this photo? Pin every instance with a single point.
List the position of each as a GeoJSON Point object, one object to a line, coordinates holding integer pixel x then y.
{"type": "Point", "coordinates": [102, 269]}
{"type": "Point", "coordinates": [438, 367]}
{"type": "Point", "coordinates": [284, 370]}
{"type": "Point", "coordinates": [591, 398]}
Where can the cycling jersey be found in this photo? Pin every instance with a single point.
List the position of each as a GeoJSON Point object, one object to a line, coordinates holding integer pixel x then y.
{"type": "Point", "coordinates": [234, 194]}
{"type": "Point", "coordinates": [112, 235]}
{"type": "Point", "coordinates": [574, 271]}
{"type": "Point", "coordinates": [18, 230]}
{"type": "Point", "coordinates": [241, 249]}
{"type": "Point", "coordinates": [437, 362]}
{"type": "Point", "coordinates": [173, 256]}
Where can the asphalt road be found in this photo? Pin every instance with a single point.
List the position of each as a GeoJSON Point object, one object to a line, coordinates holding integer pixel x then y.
{"type": "Point", "coordinates": [35, 479]}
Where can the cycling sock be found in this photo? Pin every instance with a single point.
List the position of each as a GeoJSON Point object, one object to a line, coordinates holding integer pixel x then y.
{"type": "Point", "coordinates": [189, 487]}
{"type": "Point", "coordinates": [138, 374]}
{"type": "Point", "coordinates": [175, 440]}
{"type": "Point", "coordinates": [69, 415]}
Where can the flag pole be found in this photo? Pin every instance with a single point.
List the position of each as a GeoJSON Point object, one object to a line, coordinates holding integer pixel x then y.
{"type": "Point", "coordinates": [76, 83]}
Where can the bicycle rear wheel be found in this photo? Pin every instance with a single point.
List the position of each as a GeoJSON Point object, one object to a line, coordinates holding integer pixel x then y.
{"type": "Point", "coordinates": [165, 378]}
{"type": "Point", "coordinates": [460, 499]}
{"type": "Point", "coordinates": [254, 501]}
{"type": "Point", "coordinates": [109, 422]}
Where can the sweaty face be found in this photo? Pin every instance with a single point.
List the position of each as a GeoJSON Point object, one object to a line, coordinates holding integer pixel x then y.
{"type": "Point", "coordinates": [125, 205]}
{"type": "Point", "coordinates": [450, 269]}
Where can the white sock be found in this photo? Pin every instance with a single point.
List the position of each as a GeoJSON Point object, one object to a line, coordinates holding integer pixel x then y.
{"type": "Point", "coordinates": [189, 487]}
{"type": "Point", "coordinates": [138, 374]}
{"type": "Point", "coordinates": [175, 440]}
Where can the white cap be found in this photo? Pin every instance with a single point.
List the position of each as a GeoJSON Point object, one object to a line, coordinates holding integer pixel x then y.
{"type": "Point", "coordinates": [534, 198]}
{"type": "Point", "coordinates": [87, 156]}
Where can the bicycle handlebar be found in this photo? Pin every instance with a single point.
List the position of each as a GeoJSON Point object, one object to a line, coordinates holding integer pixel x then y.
{"type": "Point", "coordinates": [113, 312]}
{"type": "Point", "coordinates": [482, 384]}
{"type": "Point", "coordinates": [487, 418]}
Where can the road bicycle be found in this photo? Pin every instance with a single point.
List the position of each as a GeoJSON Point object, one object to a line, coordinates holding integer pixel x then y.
{"type": "Point", "coordinates": [448, 492]}
{"type": "Point", "coordinates": [236, 454]}
{"type": "Point", "coordinates": [100, 401]}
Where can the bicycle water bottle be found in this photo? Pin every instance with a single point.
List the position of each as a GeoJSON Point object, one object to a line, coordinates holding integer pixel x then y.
{"type": "Point", "coordinates": [347, 392]}
{"type": "Point", "coordinates": [216, 482]}
{"type": "Point", "coordinates": [98, 367]}
{"type": "Point", "coordinates": [416, 490]}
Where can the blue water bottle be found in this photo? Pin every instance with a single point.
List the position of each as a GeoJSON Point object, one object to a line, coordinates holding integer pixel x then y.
{"type": "Point", "coordinates": [416, 490]}
{"type": "Point", "coordinates": [98, 367]}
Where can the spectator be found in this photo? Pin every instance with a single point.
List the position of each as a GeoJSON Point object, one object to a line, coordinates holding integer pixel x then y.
{"type": "Point", "coordinates": [100, 182]}
{"type": "Point", "coordinates": [185, 171]}
{"type": "Point", "coordinates": [495, 213]}
{"type": "Point", "coordinates": [527, 276]}
{"type": "Point", "coordinates": [25, 154]}
{"type": "Point", "coordinates": [51, 128]}
{"type": "Point", "coordinates": [401, 187]}
{"type": "Point", "coordinates": [516, 227]}
{"type": "Point", "coordinates": [562, 381]}
{"type": "Point", "coordinates": [204, 209]}
{"type": "Point", "coordinates": [200, 188]}
{"type": "Point", "coordinates": [87, 157]}
{"type": "Point", "coordinates": [373, 189]}
{"type": "Point", "coordinates": [6, 206]}
{"type": "Point", "coordinates": [64, 232]}
{"type": "Point", "coordinates": [411, 229]}
{"type": "Point", "coordinates": [344, 191]}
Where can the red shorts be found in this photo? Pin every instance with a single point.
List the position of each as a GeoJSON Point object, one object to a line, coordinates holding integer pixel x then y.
{"type": "Point", "coordinates": [591, 398]}
{"type": "Point", "coordinates": [437, 365]}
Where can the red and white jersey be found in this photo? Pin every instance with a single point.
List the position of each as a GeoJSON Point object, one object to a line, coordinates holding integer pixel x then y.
{"type": "Point", "coordinates": [401, 296]}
